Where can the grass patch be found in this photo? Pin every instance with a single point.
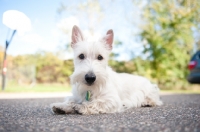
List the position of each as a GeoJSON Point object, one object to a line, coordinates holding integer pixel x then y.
{"type": "Point", "coordinates": [37, 88]}
{"type": "Point", "coordinates": [15, 88]}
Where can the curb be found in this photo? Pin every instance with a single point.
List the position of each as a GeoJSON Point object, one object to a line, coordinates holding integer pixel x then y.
{"type": "Point", "coordinates": [33, 95]}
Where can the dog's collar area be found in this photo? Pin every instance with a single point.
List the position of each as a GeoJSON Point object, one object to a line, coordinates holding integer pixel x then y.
{"type": "Point", "coordinates": [88, 95]}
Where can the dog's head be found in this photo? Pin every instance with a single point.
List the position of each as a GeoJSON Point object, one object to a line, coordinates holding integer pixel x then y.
{"type": "Point", "coordinates": [90, 58]}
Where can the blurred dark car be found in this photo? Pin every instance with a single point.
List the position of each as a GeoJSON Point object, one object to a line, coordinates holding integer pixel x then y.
{"type": "Point", "coordinates": [194, 67]}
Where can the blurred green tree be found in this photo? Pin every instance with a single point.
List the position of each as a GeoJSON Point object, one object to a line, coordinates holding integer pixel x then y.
{"type": "Point", "coordinates": [168, 36]}
{"type": "Point", "coordinates": [51, 69]}
{"type": "Point", "coordinates": [42, 67]}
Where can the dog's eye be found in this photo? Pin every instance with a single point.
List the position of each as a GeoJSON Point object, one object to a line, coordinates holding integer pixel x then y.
{"type": "Point", "coordinates": [100, 57]}
{"type": "Point", "coordinates": [81, 56]}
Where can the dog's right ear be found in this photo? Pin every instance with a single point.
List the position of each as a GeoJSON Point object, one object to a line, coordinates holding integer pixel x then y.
{"type": "Point", "coordinates": [77, 35]}
{"type": "Point", "coordinates": [109, 38]}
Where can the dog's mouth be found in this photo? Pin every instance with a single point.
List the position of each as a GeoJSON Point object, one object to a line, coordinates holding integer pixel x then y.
{"type": "Point", "coordinates": [89, 84]}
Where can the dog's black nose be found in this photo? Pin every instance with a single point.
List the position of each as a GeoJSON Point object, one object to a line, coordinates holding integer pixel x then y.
{"type": "Point", "coordinates": [90, 78]}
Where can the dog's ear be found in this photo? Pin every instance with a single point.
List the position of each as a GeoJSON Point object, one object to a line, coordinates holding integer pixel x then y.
{"type": "Point", "coordinates": [109, 38]}
{"type": "Point", "coordinates": [77, 35]}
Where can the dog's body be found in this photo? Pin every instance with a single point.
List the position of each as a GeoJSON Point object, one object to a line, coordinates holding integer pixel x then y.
{"type": "Point", "coordinates": [110, 91]}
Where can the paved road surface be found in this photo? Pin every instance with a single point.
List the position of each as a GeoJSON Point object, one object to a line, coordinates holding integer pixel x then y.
{"type": "Point", "coordinates": [179, 113]}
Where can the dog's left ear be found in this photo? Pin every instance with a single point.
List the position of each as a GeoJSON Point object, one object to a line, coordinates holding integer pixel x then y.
{"type": "Point", "coordinates": [109, 38]}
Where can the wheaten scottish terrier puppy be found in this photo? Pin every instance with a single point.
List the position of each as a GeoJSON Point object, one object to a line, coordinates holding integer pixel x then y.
{"type": "Point", "coordinates": [96, 88]}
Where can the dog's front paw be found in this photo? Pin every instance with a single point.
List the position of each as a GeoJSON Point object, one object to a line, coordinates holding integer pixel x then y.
{"type": "Point", "coordinates": [81, 109]}
{"type": "Point", "coordinates": [62, 108]}
{"type": "Point", "coordinates": [77, 108]}
{"type": "Point", "coordinates": [58, 110]}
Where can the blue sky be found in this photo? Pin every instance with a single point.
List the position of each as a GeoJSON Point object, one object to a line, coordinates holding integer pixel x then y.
{"type": "Point", "coordinates": [43, 18]}
{"type": "Point", "coordinates": [119, 15]}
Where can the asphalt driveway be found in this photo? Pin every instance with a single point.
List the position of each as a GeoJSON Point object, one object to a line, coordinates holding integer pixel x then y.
{"type": "Point", "coordinates": [179, 113]}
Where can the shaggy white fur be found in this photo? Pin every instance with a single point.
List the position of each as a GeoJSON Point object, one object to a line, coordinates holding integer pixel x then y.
{"type": "Point", "coordinates": [110, 91]}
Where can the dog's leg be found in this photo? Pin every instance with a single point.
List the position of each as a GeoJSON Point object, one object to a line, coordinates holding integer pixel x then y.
{"type": "Point", "coordinates": [64, 107]}
{"type": "Point", "coordinates": [153, 98]}
{"type": "Point", "coordinates": [95, 107]}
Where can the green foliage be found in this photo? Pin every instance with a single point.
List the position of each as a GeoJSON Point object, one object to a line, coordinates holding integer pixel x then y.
{"type": "Point", "coordinates": [51, 69]}
{"type": "Point", "coordinates": [122, 66]}
{"type": "Point", "coordinates": [43, 67]}
{"type": "Point", "coordinates": [167, 31]}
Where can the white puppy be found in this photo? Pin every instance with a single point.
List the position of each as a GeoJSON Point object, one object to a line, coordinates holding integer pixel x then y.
{"type": "Point", "coordinates": [96, 88]}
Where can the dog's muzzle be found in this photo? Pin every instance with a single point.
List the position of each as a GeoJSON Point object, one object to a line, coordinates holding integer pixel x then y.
{"type": "Point", "coordinates": [90, 78]}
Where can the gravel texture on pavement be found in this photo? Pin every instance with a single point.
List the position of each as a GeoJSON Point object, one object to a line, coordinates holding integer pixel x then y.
{"type": "Point", "coordinates": [179, 113]}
